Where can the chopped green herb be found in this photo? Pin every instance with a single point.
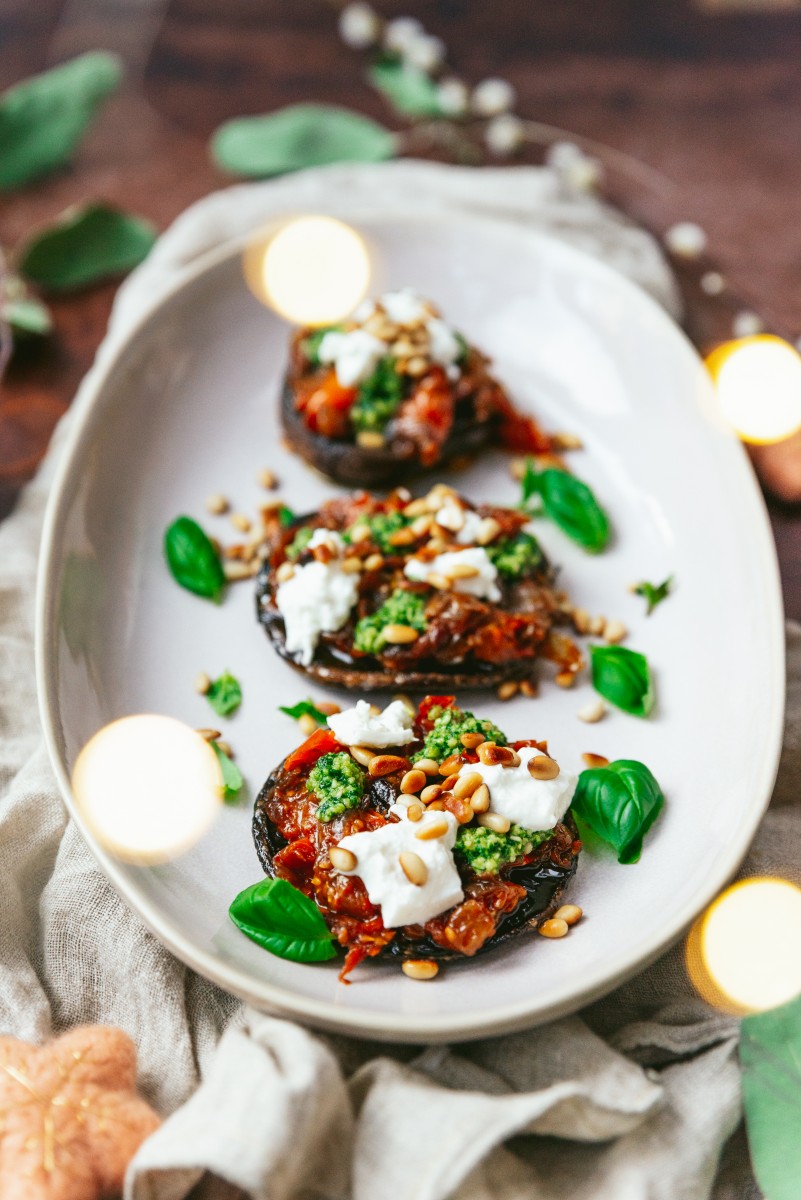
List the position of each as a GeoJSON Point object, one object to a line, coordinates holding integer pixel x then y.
{"type": "Point", "coordinates": [301, 541]}
{"type": "Point", "coordinates": [402, 607]}
{"type": "Point", "coordinates": [231, 775]}
{"type": "Point", "coordinates": [569, 503]}
{"type": "Point", "coordinates": [282, 920]}
{"type": "Point", "coordinates": [442, 739]}
{"type": "Point", "coordinates": [464, 349]}
{"type": "Point", "coordinates": [485, 851]}
{"type": "Point", "coordinates": [515, 556]}
{"type": "Point", "coordinates": [192, 559]}
{"type": "Point", "coordinates": [225, 694]}
{"type": "Point", "coordinates": [653, 594]}
{"type": "Point", "coordinates": [304, 708]}
{"type": "Point", "coordinates": [337, 782]}
{"type": "Point", "coordinates": [311, 343]}
{"type": "Point", "coordinates": [286, 516]}
{"type": "Point", "coordinates": [623, 677]}
{"type": "Point", "coordinates": [378, 398]}
{"type": "Point", "coordinates": [382, 526]}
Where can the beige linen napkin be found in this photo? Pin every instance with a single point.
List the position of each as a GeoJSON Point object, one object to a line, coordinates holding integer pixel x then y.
{"type": "Point", "coordinates": [633, 1101]}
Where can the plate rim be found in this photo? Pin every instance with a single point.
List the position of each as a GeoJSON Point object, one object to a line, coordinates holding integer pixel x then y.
{"type": "Point", "coordinates": [277, 998]}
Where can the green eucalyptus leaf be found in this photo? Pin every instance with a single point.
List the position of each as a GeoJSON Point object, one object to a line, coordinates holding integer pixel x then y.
{"type": "Point", "coordinates": [569, 503]}
{"type": "Point", "coordinates": [85, 245]}
{"type": "Point", "coordinates": [409, 90]}
{"type": "Point", "coordinates": [43, 119]}
{"type": "Point", "coordinates": [770, 1057]}
{"type": "Point", "coordinates": [303, 135]}
{"type": "Point", "coordinates": [623, 677]}
{"type": "Point", "coordinates": [231, 775]}
{"type": "Point", "coordinates": [192, 559]}
{"type": "Point", "coordinates": [620, 803]}
{"type": "Point", "coordinates": [280, 918]}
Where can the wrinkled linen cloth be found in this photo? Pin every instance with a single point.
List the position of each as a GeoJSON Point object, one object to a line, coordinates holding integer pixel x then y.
{"type": "Point", "coordinates": [635, 1099]}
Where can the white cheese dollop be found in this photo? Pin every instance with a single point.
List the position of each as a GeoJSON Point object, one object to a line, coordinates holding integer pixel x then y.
{"type": "Point", "coordinates": [445, 346]}
{"type": "Point", "coordinates": [355, 354]}
{"type": "Point", "coordinates": [360, 727]}
{"type": "Point", "coordinates": [327, 537]}
{"type": "Point", "coordinates": [404, 306]}
{"type": "Point", "coordinates": [317, 599]}
{"type": "Point", "coordinates": [533, 803]}
{"type": "Point", "coordinates": [483, 584]}
{"type": "Point", "coordinates": [378, 866]}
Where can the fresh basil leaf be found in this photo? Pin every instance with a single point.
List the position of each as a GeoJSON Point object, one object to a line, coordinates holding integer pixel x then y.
{"type": "Point", "coordinates": [27, 316]}
{"type": "Point", "coordinates": [409, 90]}
{"type": "Point", "coordinates": [225, 694]}
{"type": "Point", "coordinates": [770, 1057]}
{"type": "Point", "coordinates": [231, 775]}
{"type": "Point", "coordinates": [304, 708]}
{"type": "Point", "coordinates": [286, 516]}
{"type": "Point", "coordinates": [192, 559]}
{"type": "Point", "coordinates": [303, 135]}
{"type": "Point", "coordinates": [620, 803]}
{"type": "Point", "coordinates": [653, 594]}
{"type": "Point", "coordinates": [623, 677]}
{"type": "Point", "coordinates": [280, 918]}
{"type": "Point", "coordinates": [43, 119]}
{"type": "Point", "coordinates": [84, 246]}
{"type": "Point", "coordinates": [569, 503]}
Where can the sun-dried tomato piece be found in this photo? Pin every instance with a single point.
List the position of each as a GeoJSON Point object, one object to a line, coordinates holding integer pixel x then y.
{"type": "Point", "coordinates": [321, 742]}
{"type": "Point", "coordinates": [425, 706]}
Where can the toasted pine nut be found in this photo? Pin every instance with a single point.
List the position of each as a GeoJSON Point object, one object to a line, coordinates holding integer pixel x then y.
{"type": "Point", "coordinates": [450, 783]}
{"type": "Point", "coordinates": [374, 562]}
{"type": "Point", "coordinates": [452, 763]}
{"type": "Point", "coordinates": [434, 830]}
{"type": "Point", "coordinates": [463, 571]}
{"type": "Point", "coordinates": [234, 571]}
{"type": "Point", "coordinates": [414, 812]}
{"type": "Point", "coordinates": [363, 755]}
{"type": "Point", "coordinates": [387, 764]}
{"type": "Point", "coordinates": [581, 620]}
{"type": "Point", "coordinates": [480, 800]}
{"type": "Point", "coordinates": [592, 711]}
{"type": "Point", "coordinates": [267, 479]}
{"type": "Point", "coordinates": [554, 928]}
{"type": "Point", "coordinates": [566, 441]}
{"type": "Point", "coordinates": [528, 688]}
{"type": "Point", "coordinates": [402, 537]}
{"type": "Point", "coordinates": [224, 747]}
{"type": "Point", "coordinates": [421, 525]}
{"type": "Point", "coordinates": [431, 793]}
{"type": "Point", "coordinates": [438, 805]}
{"type": "Point", "coordinates": [241, 522]}
{"type": "Point", "coordinates": [209, 735]}
{"type": "Point", "coordinates": [466, 785]}
{"type": "Point", "coordinates": [487, 531]}
{"type": "Point", "coordinates": [202, 683]}
{"type": "Point", "coordinates": [595, 760]}
{"type": "Point", "coordinates": [413, 867]}
{"type": "Point", "coordinates": [442, 583]}
{"type": "Point", "coordinates": [413, 781]}
{"type": "Point", "coordinates": [471, 740]}
{"type": "Point", "coordinates": [597, 625]}
{"type": "Point", "coordinates": [352, 565]}
{"type": "Point", "coordinates": [416, 366]}
{"type": "Point", "coordinates": [370, 439]}
{"type": "Point", "coordinates": [517, 468]}
{"type": "Point", "coordinates": [507, 690]}
{"type": "Point", "coordinates": [614, 632]}
{"type": "Point", "coordinates": [495, 822]}
{"type": "Point", "coordinates": [429, 765]}
{"type": "Point", "coordinates": [328, 707]}
{"type": "Point", "coordinates": [491, 755]}
{"type": "Point", "coordinates": [435, 546]}
{"type": "Point", "coordinates": [284, 572]}
{"type": "Point", "coordinates": [307, 724]}
{"type": "Point", "coordinates": [420, 968]}
{"type": "Point", "coordinates": [565, 679]}
{"type": "Point", "coordinates": [460, 808]}
{"type": "Point", "coordinates": [342, 859]}
{"type": "Point", "coordinates": [417, 508]}
{"type": "Point", "coordinates": [360, 533]}
{"type": "Point", "coordinates": [569, 913]}
{"type": "Point", "coordinates": [399, 635]}
{"type": "Point", "coordinates": [217, 504]}
{"type": "Point", "coordinates": [543, 767]}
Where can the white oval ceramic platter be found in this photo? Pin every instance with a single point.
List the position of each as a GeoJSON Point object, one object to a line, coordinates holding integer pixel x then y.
{"type": "Point", "coordinates": [189, 406]}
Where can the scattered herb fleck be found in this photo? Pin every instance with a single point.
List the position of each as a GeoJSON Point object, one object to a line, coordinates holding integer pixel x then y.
{"type": "Point", "coordinates": [653, 594]}
{"type": "Point", "coordinates": [231, 775]}
{"type": "Point", "coordinates": [304, 708]}
{"type": "Point", "coordinates": [300, 542]}
{"type": "Point", "coordinates": [225, 694]}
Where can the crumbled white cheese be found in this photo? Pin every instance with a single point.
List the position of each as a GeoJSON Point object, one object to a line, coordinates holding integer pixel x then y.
{"type": "Point", "coordinates": [327, 537]}
{"type": "Point", "coordinates": [464, 522]}
{"type": "Point", "coordinates": [483, 584]}
{"type": "Point", "coordinates": [360, 727]}
{"type": "Point", "coordinates": [533, 803]}
{"type": "Point", "coordinates": [405, 306]}
{"type": "Point", "coordinates": [378, 854]}
{"type": "Point", "coordinates": [444, 348]}
{"type": "Point", "coordinates": [317, 599]}
{"type": "Point", "coordinates": [355, 354]}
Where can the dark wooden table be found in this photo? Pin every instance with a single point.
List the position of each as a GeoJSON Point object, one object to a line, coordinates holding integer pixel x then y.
{"type": "Point", "coordinates": [708, 97]}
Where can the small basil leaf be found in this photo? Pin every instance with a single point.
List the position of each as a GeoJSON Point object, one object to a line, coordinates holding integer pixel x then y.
{"type": "Point", "coordinates": [570, 504]}
{"type": "Point", "coordinates": [304, 708]}
{"type": "Point", "coordinates": [620, 803]}
{"type": "Point", "coordinates": [192, 559]}
{"type": "Point", "coordinates": [653, 594]}
{"type": "Point", "coordinates": [281, 919]}
{"type": "Point", "coordinates": [231, 775]}
{"type": "Point", "coordinates": [303, 135]}
{"type": "Point", "coordinates": [623, 677]}
{"type": "Point", "coordinates": [43, 119]}
{"type": "Point", "coordinates": [27, 316]}
{"type": "Point", "coordinates": [84, 246]}
{"type": "Point", "coordinates": [286, 516]}
{"type": "Point", "coordinates": [225, 694]}
{"type": "Point", "coordinates": [770, 1057]}
{"type": "Point", "coordinates": [409, 90]}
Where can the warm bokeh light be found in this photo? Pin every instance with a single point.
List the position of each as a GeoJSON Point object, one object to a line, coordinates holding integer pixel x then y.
{"type": "Point", "coordinates": [742, 954]}
{"type": "Point", "coordinates": [148, 787]}
{"type": "Point", "coordinates": [758, 382]}
{"type": "Point", "coordinates": [313, 271]}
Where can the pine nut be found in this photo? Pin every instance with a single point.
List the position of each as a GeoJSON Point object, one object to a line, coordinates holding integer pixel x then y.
{"type": "Point", "coordinates": [241, 522]}
{"type": "Point", "coordinates": [566, 441]}
{"type": "Point", "coordinates": [597, 625]}
{"type": "Point", "coordinates": [402, 537]}
{"type": "Point", "coordinates": [352, 565]}
{"type": "Point", "coordinates": [450, 783]}
{"type": "Point", "coordinates": [595, 760]}
{"type": "Point", "coordinates": [414, 812]}
{"type": "Point", "coordinates": [420, 968]}
{"type": "Point", "coordinates": [592, 711]}
{"type": "Point", "coordinates": [374, 562]}
{"type": "Point", "coordinates": [451, 764]}
{"type": "Point", "coordinates": [528, 688]}
{"type": "Point", "coordinates": [581, 620]}
{"type": "Point", "coordinates": [399, 635]}
{"type": "Point", "coordinates": [466, 785]}
{"type": "Point", "coordinates": [328, 707]}
{"type": "Point", "coordinates": [495, 822]}
{"type": "Point", "coordinates": [442, 583]}
{"type": "Point", "coordinates": [438, 805]}
{"type": "Point", "coordinates": [614, 632]}
{"type": "Point", "coordinates": [409, 704]}
{"type": "Point", "coordinates": [434, 830]}
{"type": "Point", "coordinates": [451, 517]}
{"type": "Point", "coordinates": [435, 546]}
{"type": "Point", "coordinates": [507, 690]}
{"type": "Point", "coordinates": [517, 468]}
{"type": "Point", "coordinates": [387, 764]}
{"type": "Point", "coordinates": [417, 508]}
{"type": "Point", "coordinates": [413, 781]}
{"type": "Point", "coordinates": [360, 533]}
{"type": "Point", "coordinates": [431, 793]}
{"type": "Point", "coordinates": [569, 913]}
{"type": "Point", "coordinates": [284, 572]}
{"type": "Point", "coordinates": [267, 479]}
{"type": "Point", "coordinates": [370, 439]}
{"type": "Point", "coordinates": [209, 735]}
{"type": "Point", "coordinates": [492, 755]}
{"type": "Point", "coordinates": [471, 740]}
{"type": "Point", "coordinates": [487, 531]}
{"type": "Point", "coordinates": [463, 571]}
{"type": "Point", "coordinates": [342, 859]}
{"type": "Point", "coordinates": [413, 868]}
{"type": "Point", "coordinates": [363, 755]}
{"type": "Point", "coordinates": [224, 747]}
{"type": "Point", "coordinates": [202, 683]}
{"type": "Point", "coordinates": [460, 808]}
{"type": "Point", "coordinates": [235, 571]}
{"type": "Point", "coordinates": [307, 724]}
{"type": "Point", "coordinates": [565, 679]}
{"type": "Point", "coordinates": [543, 767]}
{"type": "Point", "coordinates": [429, 765]}
{"type": "Point", "coordinates": [217, 504]}
{"type": "Point", "coordinates": [416, 366]}
{"type": "Point", "coordinates": [554, 928]}
{"type": "Point", "coordinates": [480, 800]}
{"type": "Point", "coordinates": [421, 525]}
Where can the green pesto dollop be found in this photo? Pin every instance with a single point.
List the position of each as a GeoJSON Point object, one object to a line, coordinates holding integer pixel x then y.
{"type": "Point", "coordinates": [311, 343]}
{"type": "Point", "coordinates": [381, 526]}
{"type": "Point", "coordinates": [402, 607]}
{"type": "Point", "coordinates": [337, 782]}
{"type": "Point", "coordinates": [486, 851]}
{"type": "Point", "coordinates": [378, 398]}
{"type": "Point", "coordinates": [299, 543]}
{"type": "Point", "coordinates": [442, 739]}
{"type": "Point", "coordinates": [515, 556]}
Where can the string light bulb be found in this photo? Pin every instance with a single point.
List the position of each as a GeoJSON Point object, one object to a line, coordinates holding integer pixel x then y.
{"type": "Point", "coordinates": [758, 385]}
